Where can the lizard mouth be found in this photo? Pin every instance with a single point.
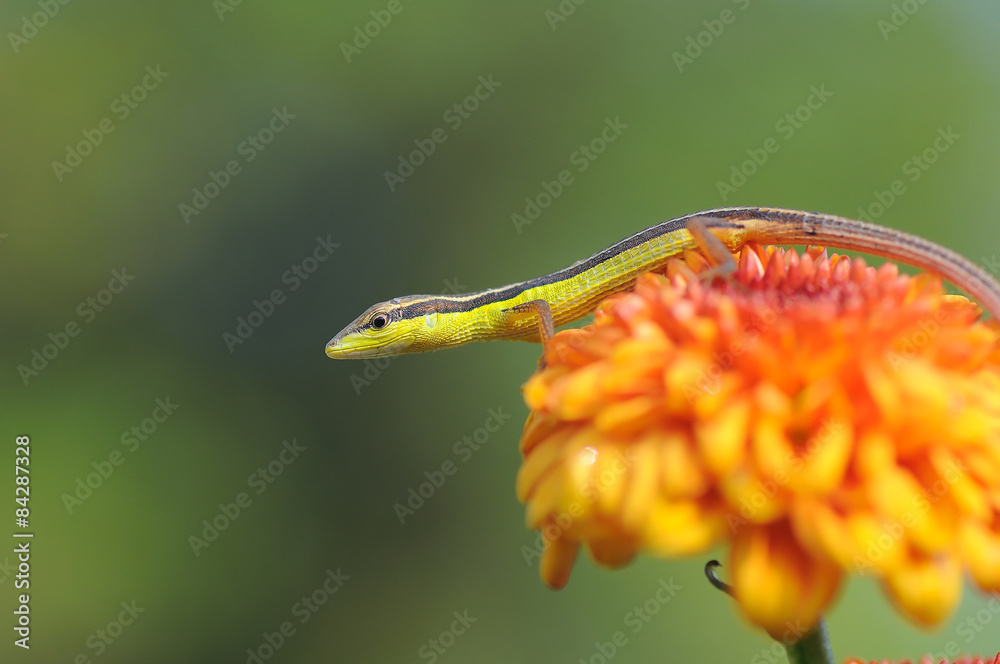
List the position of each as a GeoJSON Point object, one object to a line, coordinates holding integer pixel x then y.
{"type": "Point", "coordinates": [351, 348]}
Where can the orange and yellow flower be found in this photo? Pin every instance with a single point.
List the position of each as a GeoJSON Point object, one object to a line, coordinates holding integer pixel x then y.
{"type": "Point", "coordinates": [972, 659]}
{"type": "Point", "coordinates": [822, 416]}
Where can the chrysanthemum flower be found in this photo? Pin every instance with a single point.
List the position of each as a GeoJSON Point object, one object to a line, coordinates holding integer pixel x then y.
{"type": "Point", "coordinates": [822, 416]}
{"type": "Point", "coordinates": [973, 659]}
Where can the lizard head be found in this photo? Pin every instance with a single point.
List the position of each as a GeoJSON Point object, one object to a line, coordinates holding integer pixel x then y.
{"type": "Point", "coordinates": [401, 325]}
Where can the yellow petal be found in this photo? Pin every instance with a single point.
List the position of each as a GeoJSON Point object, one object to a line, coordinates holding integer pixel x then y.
{"type": "Point", "coordinates": [875, 454]}
{"type": "Point", "coordinates": [535, 391]}
{"type": "Point", "coordinates": [632, 379]}
{"type": "Point", "coordinates": [649, 345]}
{"type": "Point", "coordinates": [772, 452]}
{"type": "Point", "coordinates": [545, 501]}
{"type": "Point", "coordinates": [983, 466]}
{"type": "Point", "coordinates": [894, 493]}
{"type": "Point", "coordinates": [879, 544]}
{"type": "Point", "coordinates": [824, 533]}
{"type": "Point", "coordinates": [926, 589]}
{"type": "Point", "coordinates": [643, 486]}
{"type": "Point", "coordinates": [686, 380]}
{"type": "Point", "coordinates": [538, 463]}
{"type": "Point", "coordinates": [632, 416]}
{"type": "Point", "coordinates": [777, 584]}
{"type": "Point", "coordinates": [722, 441]}
{"type": "Point", "coordinates": [577, 395]}
{"type": "Point", "coordinates": [610, 479]}
{"type": "Point", "coordinates": [884, 389]}
{"type": "Point", "coordinates": [681, 527]}
{"type": "Point", "coordinates": [824, 458]}
{"type": "Point", "coordinates": [967, 494]}
{"type": "Point", "coordinates": [557, 562]}
{"type": "Point", "coordinates": [925, 395]}
{"type": "Point", "coordinates": [683, 476]}
{"type": "Point", "coordinates": [753, 499]}
{"type": "Point", "coordinates": [981, 548]}
{"type": "Point", "coordinates": [971, 425]}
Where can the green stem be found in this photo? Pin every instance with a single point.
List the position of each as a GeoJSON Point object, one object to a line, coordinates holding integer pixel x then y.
{"type": "Point", "coordinates": [813, 648]}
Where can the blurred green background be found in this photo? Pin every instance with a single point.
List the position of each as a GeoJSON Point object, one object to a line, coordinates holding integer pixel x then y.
{"type": "Point", "coordinates": [221, 72]}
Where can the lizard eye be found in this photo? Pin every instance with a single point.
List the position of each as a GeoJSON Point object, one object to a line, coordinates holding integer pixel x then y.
{"type": "Point", "coordinates": [379, 321]}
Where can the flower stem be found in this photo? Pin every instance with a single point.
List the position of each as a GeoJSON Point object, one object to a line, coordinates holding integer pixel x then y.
{"type": "Point", "coordinates": [813, 648]}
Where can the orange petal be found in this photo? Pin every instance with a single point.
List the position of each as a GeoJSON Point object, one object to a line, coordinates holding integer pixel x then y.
{"type": "Point", "coordinates": [577, 395]}
{"type": "Point", "coordinates": [557, 562]}
{"type": "Point", "coordinates": [630, 417]}
{"type": "Point", "coordinates": [612, 551]}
